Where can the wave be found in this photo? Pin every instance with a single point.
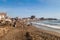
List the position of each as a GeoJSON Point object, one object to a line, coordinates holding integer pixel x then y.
{"type": "Point", "coordinates": [47, 25]}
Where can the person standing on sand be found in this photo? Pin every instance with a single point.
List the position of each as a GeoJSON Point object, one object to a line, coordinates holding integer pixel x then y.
{"type": "Point", "coordinates": [14, 25]}
{"type": "Point", "coordinates": [14, 22]}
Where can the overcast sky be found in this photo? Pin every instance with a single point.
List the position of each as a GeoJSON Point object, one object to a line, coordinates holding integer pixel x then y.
{"type": "Point", "coordinates": [26, 8]}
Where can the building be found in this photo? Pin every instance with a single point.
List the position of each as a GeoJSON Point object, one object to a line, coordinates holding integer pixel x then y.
{"type": "Point", "coordinates": [3, 16]}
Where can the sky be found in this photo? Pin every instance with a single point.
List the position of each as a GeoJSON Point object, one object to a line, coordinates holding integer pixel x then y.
{"type": "Point", "coordinates": [26, 8]}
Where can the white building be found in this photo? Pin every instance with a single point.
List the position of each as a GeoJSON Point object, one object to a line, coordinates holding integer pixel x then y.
{"type": "Point", "coordinates": [2, 16]}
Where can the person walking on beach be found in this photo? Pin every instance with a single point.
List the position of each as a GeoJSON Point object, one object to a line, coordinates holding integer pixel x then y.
{"type": "Point", "coordinates": [28, 37]}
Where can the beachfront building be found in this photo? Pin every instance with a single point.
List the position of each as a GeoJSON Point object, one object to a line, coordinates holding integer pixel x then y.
{"type": "Point", "coordinates": [2, 16]}
{"type": "Point", "coordinates": [26, 19]}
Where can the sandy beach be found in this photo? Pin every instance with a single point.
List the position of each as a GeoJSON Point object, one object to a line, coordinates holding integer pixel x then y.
{"type": "Point", "coordinates": [18, 33]}
{"type": "Point", "coordinates": [29, 19]}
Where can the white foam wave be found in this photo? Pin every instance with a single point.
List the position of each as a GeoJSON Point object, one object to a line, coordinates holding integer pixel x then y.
{"type": "Point", "coordinates": [51, 26]}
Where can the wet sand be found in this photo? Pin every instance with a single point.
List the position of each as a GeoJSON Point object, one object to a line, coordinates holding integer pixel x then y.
{"type": "Point", "coordinates": [47, 28]}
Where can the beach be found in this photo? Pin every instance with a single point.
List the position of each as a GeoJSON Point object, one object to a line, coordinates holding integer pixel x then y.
{"type": "Point", "coordinates": [19, 32]}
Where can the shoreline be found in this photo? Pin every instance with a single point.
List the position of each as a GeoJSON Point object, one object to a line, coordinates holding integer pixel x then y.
{"type": "Point", "coordinates": [44, 27]}
{"type": "Point", "coordinates": [45, 33]}
{"type": "Point", "coordinates": [19, 32]}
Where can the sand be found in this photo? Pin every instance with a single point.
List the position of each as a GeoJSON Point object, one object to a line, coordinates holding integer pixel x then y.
{"type": "Point", "coordinates": [19, 32]}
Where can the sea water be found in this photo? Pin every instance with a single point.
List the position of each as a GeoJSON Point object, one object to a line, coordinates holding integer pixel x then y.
{"type": "Point", "coordinates": [49, 23]}
{"type": "Point", "coordinates": [52, 22]}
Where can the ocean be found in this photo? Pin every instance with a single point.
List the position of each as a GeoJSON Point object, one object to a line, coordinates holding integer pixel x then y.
{"type": "Point", "coordinates": [48, 23]}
